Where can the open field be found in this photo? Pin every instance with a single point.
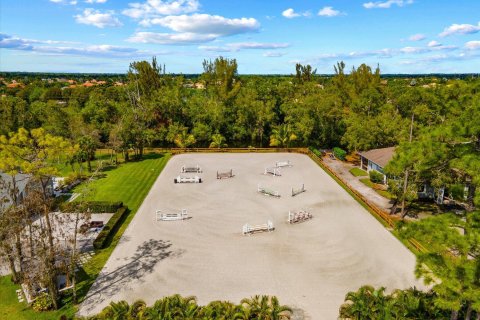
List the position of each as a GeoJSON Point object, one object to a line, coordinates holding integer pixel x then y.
{"type": "Point", "coordinates": [309, 266]}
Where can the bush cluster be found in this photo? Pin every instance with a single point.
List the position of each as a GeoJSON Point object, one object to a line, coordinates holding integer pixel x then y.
{"type": "Point", "coordinates": [43, 302]}
{"type": "Point", "coordinates": [339, 153]}
{"type": "Point", "coordinates": [375, 176]}
{"type": "Point", "coordinates": [111, 227]}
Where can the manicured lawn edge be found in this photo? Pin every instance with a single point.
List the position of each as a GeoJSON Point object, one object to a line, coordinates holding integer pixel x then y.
{"type": "Point", "coordinates": [357, 172]}
{"type": "Point", "coordinates": [370, 184]}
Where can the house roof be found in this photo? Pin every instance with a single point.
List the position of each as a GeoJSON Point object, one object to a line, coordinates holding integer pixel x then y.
{"type": "Point", "coordinates": [379, 156]}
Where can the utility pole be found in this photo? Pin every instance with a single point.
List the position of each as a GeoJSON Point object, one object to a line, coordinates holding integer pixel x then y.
{"type": "Point", "coordinates": [405, 182]}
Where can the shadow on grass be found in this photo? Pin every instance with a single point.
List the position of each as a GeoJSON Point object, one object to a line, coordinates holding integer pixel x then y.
{"type": "Point", "coordinates": [141, 263]}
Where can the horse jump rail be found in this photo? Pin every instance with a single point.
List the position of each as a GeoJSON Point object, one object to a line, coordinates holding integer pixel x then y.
{"type": "Point", "coordinates": [281, 164]}
{"type": "Point", "coordinates": [299, 216]}
{"type": "Point", "coordinates": [181, 179]}
{"type": "Point", "coordinates": [225, 175]}
{"type": "Point", "coordinates": [268, 192]}
{"type": "Point", "coordinates": [296, 192]}
{"type": "Point", "coordinates": [164, 216]}
{"type": "Point", "coordinates": [248, 229]}
{"type": "Point", "coordinates": [275, 172]}
{"type": "Point", "coordinates": [194, 169]}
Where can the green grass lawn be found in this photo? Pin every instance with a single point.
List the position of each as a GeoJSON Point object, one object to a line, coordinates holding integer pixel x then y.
{"type": "Point", "coordinates": [357, 172]}
{"type": "Point", "coordinates": [130, 183]}
{"type": "Point", "coordinates": [383, 193]}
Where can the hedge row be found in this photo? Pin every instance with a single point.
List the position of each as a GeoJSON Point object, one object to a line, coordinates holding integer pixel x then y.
{"type": "Point", "coordinates": [93, 206]}
{"type": "Point", "coordinates": [111, 227]}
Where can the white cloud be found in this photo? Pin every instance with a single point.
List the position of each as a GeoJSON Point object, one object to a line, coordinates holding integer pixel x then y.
{"type": "Point", "coordinates": [434, 43]}
{"type": "Point", "coordinates": [98, 19]}
{"type": "Point", "coordinates": [154, 8]}
{"type": "Point", "coordinates": [53, 47]}
{"type": "Point", "coordinates": [236, 46]}
{"type": "Point", "coordinates": [185, 38]}
{"type": "Point", "coordinates": [95, 1]}
{"type": "Point", "coordinates": [274, 54]}
{"type": "Point", "coordinates": [72, 2]}
{"type": "Point", "coordinates": [472, 45]}
{"type": "Point", "coordinates": [329, 12]}
{"type": "Point", "coordinates": [290, 13]}
{"type": "Point", "coordinates": [206, 24]}
{"type": "Point", "coordinates": [460, 29]}
{"type": "Point", "coordinates": [386, 4]}
{"type": "Point", "coordinates": [417, 37]}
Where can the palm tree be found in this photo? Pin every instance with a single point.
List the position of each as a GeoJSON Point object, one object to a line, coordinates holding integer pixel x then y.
{"type": "Point", "coordinates": [265, 308]}
{"type": "Point", "coordinates": [359, 304]}
{"type": "Point", "coordinates": [218, 141]}
{"type": "Point", "coordinates": [136, 309]}
{"type": "Point", "coordinates": [184, 139]}
{"type": "Point", "coordinates": [281, 136]}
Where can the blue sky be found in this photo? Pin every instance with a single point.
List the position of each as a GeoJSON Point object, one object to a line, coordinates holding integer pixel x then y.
{"type": "Point", "coordinates": [403, 36]}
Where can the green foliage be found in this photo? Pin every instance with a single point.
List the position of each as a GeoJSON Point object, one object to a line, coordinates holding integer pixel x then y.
{"type": "Point", "coordinates": [282, 136]}
{"type": "Point", "coordinates": [339, 153]}
{"type": "Point", "coordinates": [43, 302]}
{"type": "Point", "coordinates": [448, 266]}
{"type": "Point", "coordinates": [110, 228]}
{"type": "Point", "coordinates": [375, 176]}
{"type": "Point", "coordinates": [371, 303]}
{"type": "Point", "coordinates": [91, 206]}
{"type": "Point", "coordinates": [178, 307]}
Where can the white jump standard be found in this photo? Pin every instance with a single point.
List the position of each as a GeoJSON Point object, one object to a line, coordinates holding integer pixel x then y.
{"type": "Point", "coordinates": [281, 164]}
{"type": "Point", "coordinates": [268, 192]}
{"type": "Point", "coordinates": [225, 175]}
{"type": "Point", "coordinates": [173, 216]}
{"type": "Point", "coordinates": [181, 179]}
{"type": "Point", "coordinates": [298, 216]}
{"type": "Point", "coordinates": [248, 229]}
{"type": "Point", "coordinates": [298, 191]}
{"type": "Point", "coordinates": [273, 171]}
{"type": "Point", "coordinates": [195, 169]}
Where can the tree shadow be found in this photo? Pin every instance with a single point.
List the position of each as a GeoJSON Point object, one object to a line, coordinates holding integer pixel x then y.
{"type": "Point", "coordinates": [142, 263]}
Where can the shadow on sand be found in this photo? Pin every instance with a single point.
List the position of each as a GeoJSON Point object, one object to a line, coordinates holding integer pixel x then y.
{"type": "Point", "coordinates": [143, 262]}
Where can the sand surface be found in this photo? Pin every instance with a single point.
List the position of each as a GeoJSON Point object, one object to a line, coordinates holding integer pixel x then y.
{"type": "Point", "coordinates": [309, 266]}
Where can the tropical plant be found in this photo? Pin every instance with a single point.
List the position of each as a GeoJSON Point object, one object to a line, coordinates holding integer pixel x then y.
{"type": "Point", "coordinates": [282, 136]}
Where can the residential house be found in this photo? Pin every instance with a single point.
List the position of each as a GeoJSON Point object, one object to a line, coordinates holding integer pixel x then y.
{"type": "Point", "coordinates": [376, 159]}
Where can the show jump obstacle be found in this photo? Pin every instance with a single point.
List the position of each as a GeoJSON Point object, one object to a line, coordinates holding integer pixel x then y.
{"type": "Point", "coordinates": [273, 171]}
{"type": "Point", "coordinates": [195, 169]}
{"type": "Point", "coordinates": [298, 191]}
{"type": "Point", "coordinates": [181, 179]}
{"type": "Point", "coordinates": [164, 216]}
{"type": "Point", "coordinates": [248, 229]}
{"type": "Point", "coordinates": [281, 164]}
{"type": "Point", "coordinates": [299, 216]}
{"type": "Point", "coordinates": [268, 192]}
{"type": "Point", "coordinates": [225, 175]}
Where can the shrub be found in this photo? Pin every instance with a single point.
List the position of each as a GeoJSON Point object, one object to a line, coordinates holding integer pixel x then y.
{"type": "Point", "coordinates": [317, 152]}
{"type": "Point", "coordinates": [339, 153]}
{"type": "Point", "coordinates": [94, 206]}
{"type": "Point", "coordinates": [375, 176]}
{"type": "Point", "coordinates": [110, 228]}
{"type": "Point", "coordinates": [43, 302]}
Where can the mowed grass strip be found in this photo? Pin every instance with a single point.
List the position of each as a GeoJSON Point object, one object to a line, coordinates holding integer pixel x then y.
{"type": "Point", "coordinates": [130, 183]}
